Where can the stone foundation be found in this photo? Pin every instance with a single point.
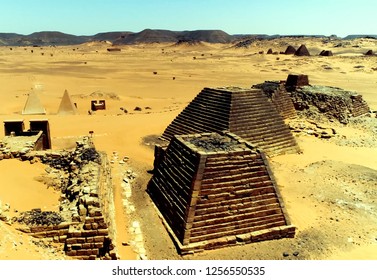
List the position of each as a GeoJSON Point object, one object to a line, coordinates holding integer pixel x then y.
{"type": "Point", "coordinates": [86, 203]}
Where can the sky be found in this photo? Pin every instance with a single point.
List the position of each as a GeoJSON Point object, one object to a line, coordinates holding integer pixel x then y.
{"type": "Point", "coordinates": [284, 17]}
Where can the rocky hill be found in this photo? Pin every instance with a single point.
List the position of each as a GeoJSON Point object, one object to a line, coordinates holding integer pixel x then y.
{"type": "Point", "coordinates": [55, 38]}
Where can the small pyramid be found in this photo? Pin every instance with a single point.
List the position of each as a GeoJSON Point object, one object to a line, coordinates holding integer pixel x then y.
{"type": "Point", "coordinates": [302, 51]}
{"type": "Point", "coordinates": [369, 52]}
{"type": "Point", "coordinates": [290, 50]}
{"type": "Point", "coordinates": [326, 53]}
{"type": "Point", "coordinates": [67, 107]}
{"type": "Point", "coordinates": [33, 105]}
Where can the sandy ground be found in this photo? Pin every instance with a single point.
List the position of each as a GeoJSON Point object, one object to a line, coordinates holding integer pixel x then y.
{"type": "Point", "coordinates": [329, 189]}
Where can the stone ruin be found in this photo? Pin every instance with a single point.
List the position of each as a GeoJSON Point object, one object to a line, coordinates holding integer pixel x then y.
{"type": "Point", "coordinates": [97, 105]}
{"type": "Point", "coordinates": [17, 141]}
{"type": "Point", "coordinates": [84, 222]}
{"type": "Point", "coordinates": [245, 112]}
{"type": "Point", "coordinates": [326, 53]}
{"type": "Point", "coordinates": [369, 52]}
{"type": "Point", "coordinates": [214, 190]}
{"type": "Point", "coordinates": [319, 101]}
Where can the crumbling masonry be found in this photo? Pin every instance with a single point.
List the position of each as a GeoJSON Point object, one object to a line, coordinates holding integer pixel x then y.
{"type": "Point", "coordinates": [86, 223]}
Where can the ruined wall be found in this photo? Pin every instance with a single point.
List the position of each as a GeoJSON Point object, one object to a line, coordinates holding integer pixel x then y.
{"type": "Point", "coordinates": [333, 103]}
{"type": "Point", "coordinates": [86, 207]}
{"type": "Point", "coordinates": [21, 146]}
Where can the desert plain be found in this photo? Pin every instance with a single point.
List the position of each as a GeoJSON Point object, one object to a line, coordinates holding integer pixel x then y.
{"type": "Point", "coordinates": [330, 189]}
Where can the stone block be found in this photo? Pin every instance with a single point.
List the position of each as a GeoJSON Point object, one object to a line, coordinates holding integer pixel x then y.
{"type": "Point", "coordinates": [98, 245]}
{"type": "Point", "coordinates": [103, 232]}
{"type": "Point", "coordinates": [88, 226]}
{"type": "Point", "coordinates": [62, 238]}
{"type": "Point", "coordinates": [99, 239]}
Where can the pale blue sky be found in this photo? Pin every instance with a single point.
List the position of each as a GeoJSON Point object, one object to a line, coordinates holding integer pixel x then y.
{"type": "Point", "coordinates": [286, 17]}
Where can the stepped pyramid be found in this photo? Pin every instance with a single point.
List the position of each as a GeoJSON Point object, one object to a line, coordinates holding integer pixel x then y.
{"type": "Point", "coordinates": [280, 98]}
{"type": "Point", "coordinates": [66, 106]}
{"type": "Point", "coordinates": [214, 190]}
{"type": "Point", "coordinates": [33, 105]}
{"type": "Point", "coordinates": [245, 112]}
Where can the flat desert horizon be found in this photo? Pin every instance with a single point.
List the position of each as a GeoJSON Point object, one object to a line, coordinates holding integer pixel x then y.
{"type": "Point", "coordinates": [329, 189]}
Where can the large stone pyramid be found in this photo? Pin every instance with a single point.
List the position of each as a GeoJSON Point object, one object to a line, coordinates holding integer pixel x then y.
{"type": "Point", "coordinates": [214, 190]}
{"type": "Point", "coordinates": [66, 107]}
{"type": "Point", "coordinates": [246, 112]}
{"type": "Point", "coordinates": [33, 105]}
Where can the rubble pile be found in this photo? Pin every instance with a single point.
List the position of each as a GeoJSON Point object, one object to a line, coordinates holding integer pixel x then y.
{"type": "Point", "coordinates": [334, 103]}
{"type": "Point", "coordinates": [83, 223]}
{"type": "Point", "coordinates": [318, 102]}
{"type": "Point", "coordinates": [213, 143]}
{"type": "Point", "coordinates": [39, 217]}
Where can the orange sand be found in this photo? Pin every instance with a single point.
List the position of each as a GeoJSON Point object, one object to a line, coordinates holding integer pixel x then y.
{"type": "Point", "coordinates": [128, 75]}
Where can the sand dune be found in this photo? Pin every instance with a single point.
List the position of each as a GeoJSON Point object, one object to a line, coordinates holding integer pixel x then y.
{"type": "Point", "coordinates": [161, 79]}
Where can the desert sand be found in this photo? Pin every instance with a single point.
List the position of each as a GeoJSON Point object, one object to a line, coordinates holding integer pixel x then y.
{"type": "Point", "coordinates": [329, 189]}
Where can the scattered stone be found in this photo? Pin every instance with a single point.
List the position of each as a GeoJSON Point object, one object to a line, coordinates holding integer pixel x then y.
{"type": "Point", "coordinates": [296, 253]}
{"type": "Point", "coordinates": [285, 254]}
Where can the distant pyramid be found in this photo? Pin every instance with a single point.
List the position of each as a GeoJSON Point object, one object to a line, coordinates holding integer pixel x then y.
{"type": "Point", "coordinates": [302, 51]}
{"type": "Point", "coordinates": [67, 107]}
{"type": "Point", "coordinates": [290, 50]}
{"type": "Point", "coordinates": [245, 112]}
{"type": "Point", "coordinates": [33, 105]}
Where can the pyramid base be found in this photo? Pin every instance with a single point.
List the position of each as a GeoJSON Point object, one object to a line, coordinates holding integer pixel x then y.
{"type": "Point", "coordinates": [287, 231]}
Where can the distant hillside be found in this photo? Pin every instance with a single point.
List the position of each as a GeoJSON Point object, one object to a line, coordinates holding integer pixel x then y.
{"type": "Point", "coordinates": [110, 36]}
{"type": "Point", "coordinates": [351, 37]}
{"type": "Point", "coordinates": [46, 38]}
{"type": "Point", "coordinates": [164, 36]}
{"type": "Point", "coordinates": [147, 36]}
{"type": "Point", "coordinates": [210, 36]}
{"type": "Point", "coordinates": [43, 38]}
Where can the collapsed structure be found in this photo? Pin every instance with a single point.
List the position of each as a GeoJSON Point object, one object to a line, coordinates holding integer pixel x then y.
{"type": "Point", "coordinates": [17, 141]}
{"type": "Point", "coordinates": [317, 101]}
{"type": "Point", "coordinates": [84, 222]}
{"type": "Point", "coordinates": [216, 190]}
{"type": "Point", "coordinates": [247, 113]}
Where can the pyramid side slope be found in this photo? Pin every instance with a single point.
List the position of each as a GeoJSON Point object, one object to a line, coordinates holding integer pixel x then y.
{"type": "Point", "coordinates": [207, 112]}
{"type": "Point", "coordinates": [254, 118]}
